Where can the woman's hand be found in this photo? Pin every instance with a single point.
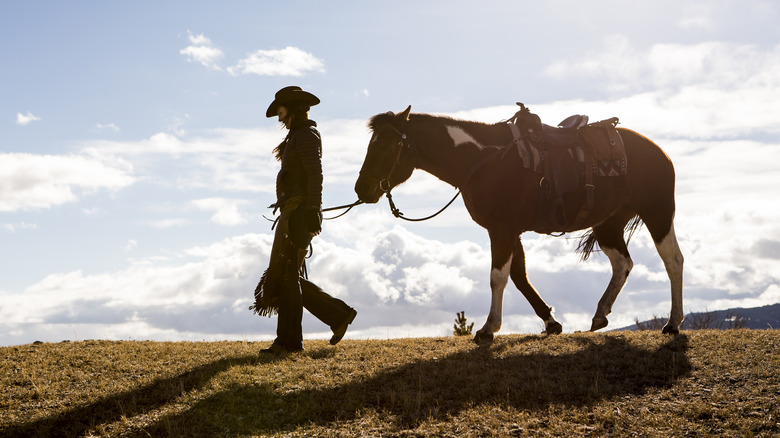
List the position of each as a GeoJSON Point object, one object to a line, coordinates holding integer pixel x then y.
{"type": "Point", "coordinates": [312, 219]}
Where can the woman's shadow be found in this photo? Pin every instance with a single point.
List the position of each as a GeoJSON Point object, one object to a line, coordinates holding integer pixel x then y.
{"type": "Point", "coordinates": [77, 421]}
{"type": "Point", "coordinates": [598, 368]}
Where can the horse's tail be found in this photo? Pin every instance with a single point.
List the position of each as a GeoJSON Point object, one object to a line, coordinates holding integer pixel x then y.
{"type": "Point", "coordinates": [588, 240]}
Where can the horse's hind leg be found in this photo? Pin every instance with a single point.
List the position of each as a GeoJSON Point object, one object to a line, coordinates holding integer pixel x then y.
{"type": "Point", "coordinates": [520, 278]}
{"type": "Point", "coordinates": [501, 254]}
{"type": "Point", "coordinates": [609, 235]}
{"type": "Point", "coordinates": [669, 250]}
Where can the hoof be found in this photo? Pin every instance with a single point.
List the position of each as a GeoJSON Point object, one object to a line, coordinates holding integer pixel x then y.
{"type": "Point", "coordinates": [670, 330]}
{"type": "Point", "coordinates": [553, 328]}
{"type": "Point", "coordinates": [483, 339]}
{"type": "Point", "coordinates": [598, 323]}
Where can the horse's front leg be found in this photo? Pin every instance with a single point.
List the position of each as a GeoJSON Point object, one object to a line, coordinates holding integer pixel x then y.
{"type": "Point", "coordinates": [501, 253]}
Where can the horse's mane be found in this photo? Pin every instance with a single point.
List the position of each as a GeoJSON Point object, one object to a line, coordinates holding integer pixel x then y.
{"type": "Point", "coordinates": [389, 118]}
{"type": "Point", "coordinates": [381, 119]}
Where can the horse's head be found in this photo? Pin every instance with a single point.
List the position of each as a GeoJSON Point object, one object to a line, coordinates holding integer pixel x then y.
{"type": "Point", "coordinates": [389, 160]}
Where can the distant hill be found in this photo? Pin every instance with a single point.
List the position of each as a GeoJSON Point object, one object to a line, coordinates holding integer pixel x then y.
{"type": "Point", "coordinates": [766, 317]}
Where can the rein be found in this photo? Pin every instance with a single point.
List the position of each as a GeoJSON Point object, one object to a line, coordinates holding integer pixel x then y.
{"type": "Point", "coordinates": [340, 207]}
{"type": "Point", "coordinates": [324, 210]}
{"type": "Point", "coordinates": [397, 213]}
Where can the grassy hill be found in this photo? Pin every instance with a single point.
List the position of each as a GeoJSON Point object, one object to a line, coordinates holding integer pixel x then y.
{"type": "Point", "coordinates": [700, 383]}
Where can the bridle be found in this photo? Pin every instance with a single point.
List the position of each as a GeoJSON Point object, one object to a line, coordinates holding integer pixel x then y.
{"type": "Point", "coordinates": [404, 144]}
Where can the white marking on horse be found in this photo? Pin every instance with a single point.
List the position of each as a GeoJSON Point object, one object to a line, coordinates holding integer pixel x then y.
{"type": "Point", "coordinates": [460, 137]}
{"type": "Point", "coordinates": [670, 253]}
{"type": "Point", "coordinates": [498, 280]}
{"type": "Point", "coordinates": [374, 138]}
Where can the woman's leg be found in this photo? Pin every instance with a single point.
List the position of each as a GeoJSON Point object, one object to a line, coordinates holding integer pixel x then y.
{"type": "Point", "coordinates": [289, 335]}
{"type": "Point", "coordinates": [331, 311]}
{"type": "Point", "coordinates": [288, 330]}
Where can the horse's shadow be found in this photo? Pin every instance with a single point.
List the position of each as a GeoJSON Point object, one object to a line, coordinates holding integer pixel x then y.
{"type": "Point", "coordinates": [600, 368]}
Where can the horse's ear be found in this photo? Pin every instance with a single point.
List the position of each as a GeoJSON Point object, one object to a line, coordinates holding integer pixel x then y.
{"type": "Point", "coordinates": [404, 116]}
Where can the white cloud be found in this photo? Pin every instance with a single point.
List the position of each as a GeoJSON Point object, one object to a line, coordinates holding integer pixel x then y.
{"type": "Point", "coordinates": [235, 160]}
{"type": "Point", "coordinates": [29, 181]}
{"type": "Point", "coordinates": [206, 291]}
{"type": "Point", "coordinates": [19, 226]}
{"type": "Point", "coordinates": [226, 211]}
{"type": "Point", "coordinates": [169, 223]}
{"type": "Point", "coordinates": [693, 112]}
{"type": "Point", "coordinates": [697, 16]}
{"type": "Point", "coordinates": [205, 297]}
{"type": "Point", "coordinates": [433, 281]}
{"type": "Point", "coordinates": [26, 119]}
{"type": "Point", "coordinates": [108, 127]}
{"type": "Point", "coordinates": [202, 51]}
{"type": "Point", "coordinates": [290, 61]}
{"type": "Point", "coordinates": [622, 67]}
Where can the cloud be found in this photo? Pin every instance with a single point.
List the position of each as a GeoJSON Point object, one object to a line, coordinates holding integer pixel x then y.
{"type": "Point", "coordinates": [29, 181]}
{"type": "Point", "coordinates": [202, 51]}
{"type": "Point", "coordinates": [226, 211]}
{"type": "Point", "coordinates": [231, 160]}
{"type": "Point", "coordinates": [696, 16]}
{"type": "Point", "coordinates": [290, 61]}
{"type": "Point", "coordinates": [26, 119]}
{"type": "Point", "coordinates": [693, 112]}
{"type": "Point", "coordinates": [234, 160]}
{"type": "Point", "coordinates": [14, 227]}
{"type": "Point", "coordinates": [768, 248]}
{"type": "Point", "coordinates": [621, 67]}
{"type": "Point", "coordinates": [205, 293]}
{"type": "Point", "coordinates": [108, 127]}
{"type": "Point", "coordinates": [169, 223]}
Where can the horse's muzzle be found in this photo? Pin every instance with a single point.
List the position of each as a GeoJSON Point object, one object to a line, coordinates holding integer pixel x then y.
{"type": "Point", "coordinates": [368, 190]}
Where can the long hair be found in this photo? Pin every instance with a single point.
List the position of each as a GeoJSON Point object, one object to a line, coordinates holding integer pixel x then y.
{"type": "Point", "coordinates": [296, 111]}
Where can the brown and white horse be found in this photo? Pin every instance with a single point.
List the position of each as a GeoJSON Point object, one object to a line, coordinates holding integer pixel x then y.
{"type": "Point", "coordinates": [501, 195]}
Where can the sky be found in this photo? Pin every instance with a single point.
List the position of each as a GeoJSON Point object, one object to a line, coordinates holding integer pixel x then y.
{"type": "Point", "coordinates": [136, 167]}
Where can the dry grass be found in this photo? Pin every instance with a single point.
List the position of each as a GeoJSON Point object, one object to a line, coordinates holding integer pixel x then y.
{"type": "Point", "coordinates": [699, 383]}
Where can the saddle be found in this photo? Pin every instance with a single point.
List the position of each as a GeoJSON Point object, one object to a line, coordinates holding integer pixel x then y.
{"type": "Point", "coordinates": [567, 157]}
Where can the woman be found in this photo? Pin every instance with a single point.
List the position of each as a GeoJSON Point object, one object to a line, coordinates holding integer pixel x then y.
{"type": "Point", "coordinates": [282, 289]}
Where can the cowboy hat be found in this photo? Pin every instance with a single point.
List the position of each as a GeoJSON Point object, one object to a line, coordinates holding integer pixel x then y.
{"type": "Point", "coordinates": [289, 95]}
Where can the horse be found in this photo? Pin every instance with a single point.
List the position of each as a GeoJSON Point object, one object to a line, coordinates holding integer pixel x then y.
{"type": "Point", "coordinates": [501, 195]}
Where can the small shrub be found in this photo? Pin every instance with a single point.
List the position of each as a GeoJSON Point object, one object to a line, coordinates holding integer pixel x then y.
{"type": "Point", "coordinates": [461, 328]}
{"type": "Point", "coordinates": [656, 323]}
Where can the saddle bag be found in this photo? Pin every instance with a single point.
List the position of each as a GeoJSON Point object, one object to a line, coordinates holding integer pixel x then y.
{"type": "Point", "coordinates": [605, 142]}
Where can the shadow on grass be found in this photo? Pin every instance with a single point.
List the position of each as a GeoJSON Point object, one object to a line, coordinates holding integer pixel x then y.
{"type": "Point", "coordinates": [76, 422]}
{"type": "Point", "coordinates": [602, 368]}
